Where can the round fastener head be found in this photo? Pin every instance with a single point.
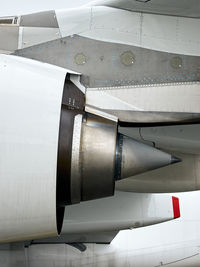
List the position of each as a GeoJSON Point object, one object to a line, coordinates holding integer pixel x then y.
{"type": "Point", "coordinates": [127, 58]}
{"type": "Point", "coordinates": [176, 62]}
{"type": "Point", "coordinates": [80, 59]}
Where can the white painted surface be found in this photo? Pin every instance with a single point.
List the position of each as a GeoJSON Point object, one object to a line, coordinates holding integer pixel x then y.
{"type": "Point", "coordinates": [157, 32]}
{"type": "Point", "coordinates": [20, 38]}
{"type": "Point", "coordinates": [100, 113]}
{"type": "Point", "coordinates": [30, 36]}
{"type": "Point", "coordinates": [168, 7]}
{"type": "Point", "coordinates": [76, 80]}
{"type": "Point", "coordinates": [174, 243]}
{"type": "Point", "coordinates": [74, 20]}
{"type": "Point", "coordinates": [76, 160]}
{"type": "Point", "coordinates": [27, 7]}
{"type": "Point", "coordinates": [30, 104]}
{"type": "Point", "coordinates": [114, 25]}
{"type": "Point", "coordinates": [181, 138]}
{"type": "Point", "coordinates": [122, 211]}
{"type": "Point", "coordinates": [184, 138]}
{"type": "Point", "coordinates": [177, 97]}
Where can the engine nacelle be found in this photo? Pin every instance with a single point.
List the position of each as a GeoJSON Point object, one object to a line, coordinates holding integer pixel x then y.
{"type": "Point", "coordinates": [45, 139]}
{"type": "Point", "coordinates": [53, 153]}
{"type": "Point", "coordinates": [30, 100]}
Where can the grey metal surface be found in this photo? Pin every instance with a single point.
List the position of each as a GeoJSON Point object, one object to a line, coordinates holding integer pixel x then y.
{"type": "Point", "coordinates": [73, 103]}
{"type": "Point", "coordinates": [9, 37]}
{"type": "Point", "coordinates": [182, 8]}
{"type": "Point", "coordinates": [139, 158]}
{"type": "Point", "coordinates": [41, 19]}
{"type": "Point", "coordinates": [104, 62]}
{"type": "Point", "coordinates": [98, 237]}
{"type": "Point", "coordinates": [98, 146]}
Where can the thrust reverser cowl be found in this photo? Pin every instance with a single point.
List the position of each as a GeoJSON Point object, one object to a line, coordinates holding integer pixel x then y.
{"type": "Point", "coordinates": [134, 158]}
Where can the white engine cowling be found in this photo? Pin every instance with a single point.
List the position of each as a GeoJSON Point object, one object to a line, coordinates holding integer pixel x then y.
{"type": "Point", "coordinates": [39, 159]}
{"type": "Point", "coordinates": [30, 100]}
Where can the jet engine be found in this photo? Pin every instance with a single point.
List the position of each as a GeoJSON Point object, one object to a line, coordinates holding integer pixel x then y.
{"type": "Point", "coordinates": [53, 153]}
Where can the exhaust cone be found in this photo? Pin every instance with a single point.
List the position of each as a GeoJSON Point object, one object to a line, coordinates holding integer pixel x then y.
{"type": "Point", "coordinates": [133, 157]}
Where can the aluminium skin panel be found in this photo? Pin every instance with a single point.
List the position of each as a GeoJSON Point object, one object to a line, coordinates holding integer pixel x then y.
{"type": "Point", "coordinates": [30, 105]}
